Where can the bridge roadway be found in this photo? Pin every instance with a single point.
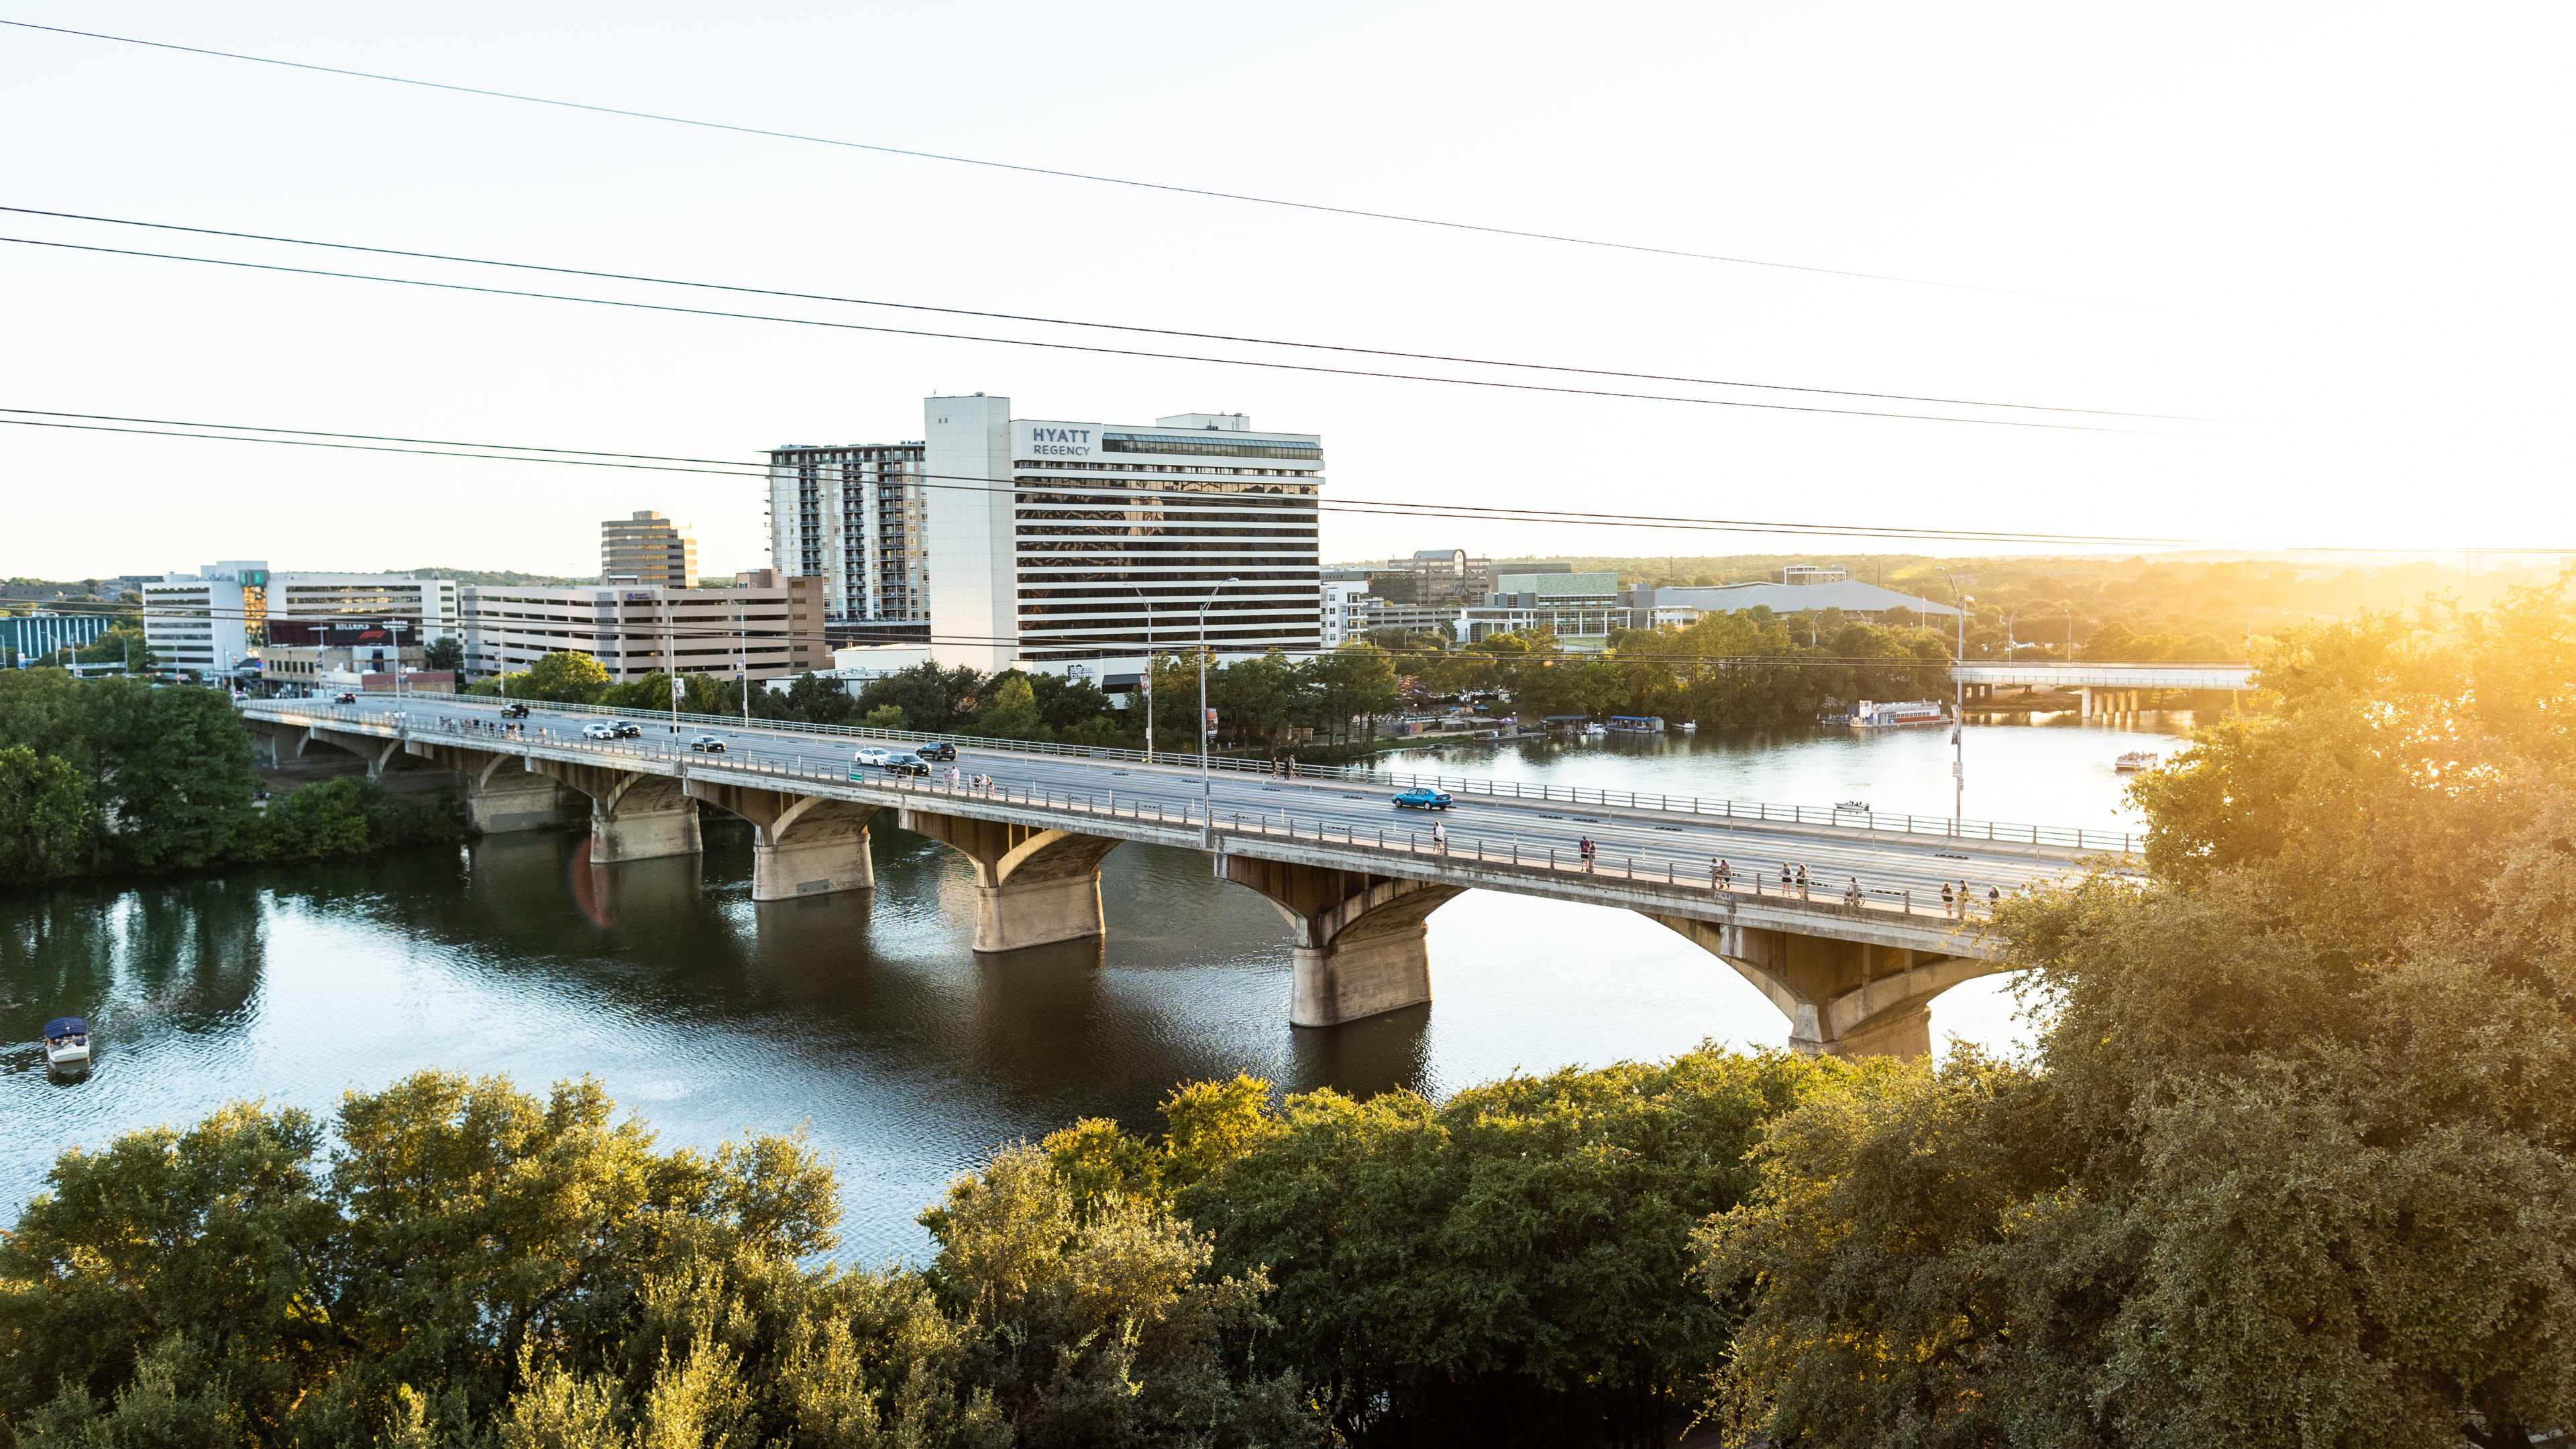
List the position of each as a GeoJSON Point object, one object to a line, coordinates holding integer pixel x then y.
{"type": "Point", "coordinates": [1354, 876]}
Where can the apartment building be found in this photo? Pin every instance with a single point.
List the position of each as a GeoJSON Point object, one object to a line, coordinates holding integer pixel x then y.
{"type": "Point", "coordinates": [852, 515]}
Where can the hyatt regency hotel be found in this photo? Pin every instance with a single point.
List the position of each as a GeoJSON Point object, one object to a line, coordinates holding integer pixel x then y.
{"type": "Point", "coordinates": [1059, 546]}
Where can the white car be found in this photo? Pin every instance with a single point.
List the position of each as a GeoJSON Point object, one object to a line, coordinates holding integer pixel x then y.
{"type": "Point", "coordinates": [869, 763]}
{"type": "Point", "coordinates": [598, 732]}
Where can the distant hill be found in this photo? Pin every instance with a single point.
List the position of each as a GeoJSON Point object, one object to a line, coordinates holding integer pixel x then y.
{"type": "Point", "coordinates": [504, 577]}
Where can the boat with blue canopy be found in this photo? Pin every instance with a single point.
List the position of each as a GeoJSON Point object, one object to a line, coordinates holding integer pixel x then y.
{"type": "Point", "coordinates": [67, 1042]}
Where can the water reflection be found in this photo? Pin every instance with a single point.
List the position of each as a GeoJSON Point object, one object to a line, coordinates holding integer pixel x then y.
{"type": "Point", "coordinates": [865, 1016]}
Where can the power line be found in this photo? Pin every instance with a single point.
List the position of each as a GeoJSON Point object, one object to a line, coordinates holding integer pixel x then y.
{"type": "Point", "coordinates": [1105, 326]}
{"type": "Point", "coordinates": [1032, 170]}
{"type": "Point", "coordinates": [1307, 367]}
{"type": "Point", "coordinates": [1375, 508]}
{"type": "Point", "coordinates": [734, 468]}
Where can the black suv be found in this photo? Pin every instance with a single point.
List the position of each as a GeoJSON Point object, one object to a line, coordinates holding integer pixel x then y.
{"type": "Point", "coordinates": [939, 750]}
{"type": "Point", "coordinates": [514, 711]}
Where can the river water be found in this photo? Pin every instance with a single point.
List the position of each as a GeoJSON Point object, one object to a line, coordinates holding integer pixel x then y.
{"type": "Point", "coordinates": [867, 1020]}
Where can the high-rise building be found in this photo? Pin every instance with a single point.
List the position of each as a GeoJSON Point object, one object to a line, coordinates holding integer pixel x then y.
{"type": "Point", "coordinates": [1091, 536]}
{"type": "Point", "coordinates": [208, 622]}
{"type": "Point", "coordinates": [851, 515]}
{"type": "Point", "coordinates": [647, 550]}
{"type": "Point", "coordinates": [772, 632]}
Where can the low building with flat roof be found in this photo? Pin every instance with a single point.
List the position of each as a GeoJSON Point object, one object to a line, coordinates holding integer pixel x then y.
{"type": "Point", "coordinates": [767, 633]}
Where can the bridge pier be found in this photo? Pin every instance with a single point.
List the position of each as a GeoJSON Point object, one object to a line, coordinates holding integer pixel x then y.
{"type": "Point", "coordinates": [1033, 886]}
{"type": "Point", "coordinates": [1843, 998]}
{"type": "Point", "coordinates": [1362, 945]}
{"type": "Point", "coordinates": [503, 792]}
{"type": "Point", "coordinates": [632, 816]}
{"type": "Point", "coordinates": [801, 845]}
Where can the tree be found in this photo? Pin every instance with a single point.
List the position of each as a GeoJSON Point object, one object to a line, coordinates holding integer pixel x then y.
{"type": "Point", "coordinates": [2279, 1174]}
{"type": "Point", "coordinates": [446, 653]}
{"type": "Point", "coordinates": [563, 678]}
{"type": "Point", "coordinates": [175, 774]}
{"type": "Point", "coordinates": [49, 820]}
{"type": "Point", "coordinates": [884, 717]}
{"type": "Point", "coordinates": [1012, 713]}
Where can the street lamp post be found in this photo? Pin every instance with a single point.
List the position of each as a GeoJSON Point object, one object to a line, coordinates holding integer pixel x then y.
{"type": "Point", "coordinates": [1959, 603]}
{"type": "Point", "coordinates": [1207, 791]}
{"type": "Point", "coordinates": [1147, 605]}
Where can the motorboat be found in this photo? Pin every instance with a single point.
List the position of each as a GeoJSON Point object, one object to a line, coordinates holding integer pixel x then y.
{"type": "Point", "coordinates": [67, 1042]}
{"type": "Point", "coordinates": [1851, 807]}
{"type": "Point", "coordinates": [2134, 761]}
{"type": "Point", "coordinates": [1690, 726]}
{"type": "Point", "coordinates": [1595, 730]}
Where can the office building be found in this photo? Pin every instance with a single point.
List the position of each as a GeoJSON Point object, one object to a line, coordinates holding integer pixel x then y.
{"type": "Point", "coordinates": [649, 551]}
{"type": "Point", "coordinates": [208, 622]}
{"type": "Point", "coordinates": [1581, 609]}
{"type": "Point", "coordinates": [417, 611]}
{"type": "Point", "coordinates": [770, 632]}
{"type": "Point", "coordinates": [316, 656]}
{"type": "Point", "coordinates": [31, 639]}
{"type": "Point", "coordinates": [851, 515]}
{"type": "Point", "coordinates": [1098, 535]}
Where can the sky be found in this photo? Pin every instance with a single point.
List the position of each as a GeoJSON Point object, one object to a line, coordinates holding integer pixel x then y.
{"type": "Point", "coordinates": [2333, 231]}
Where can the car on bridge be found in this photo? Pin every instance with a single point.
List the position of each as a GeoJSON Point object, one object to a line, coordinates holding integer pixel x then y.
{"type": "Point", "coordinates": [599, 732]}
{"type": "Point", "coordinates": [711, 744]}
{"type": "Point", "coordinates": [344, 697]}
{"type": "Point", "coordinates": [869, 760]}
{"type": "Point", "coordinates": [906, 765]}
{"type": "Point", "coordinates": [514, 711]}
{"type": "Point", "coordinates": [1419, 798]}
{"type": "Point", "coordinates": [628, 729]}
{"type": "Point", "coordinates": [940, 750]}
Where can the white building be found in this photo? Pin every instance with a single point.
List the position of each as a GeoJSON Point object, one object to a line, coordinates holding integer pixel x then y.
{"type": "Point", "coordinates": [1346, 606]}
{"type": "Point", "coordinates": [1581, 610]}
{"type": "Point", "coordinates": [207, 621]}
{"type": "Point", "coordinates": [772, 632]}
{"type": "Point", "coordinates": [428, 607]}
{"type": "Point", "coordinates": [852, 517]}
{"type": "Point", "coordinates": [1092, 535]}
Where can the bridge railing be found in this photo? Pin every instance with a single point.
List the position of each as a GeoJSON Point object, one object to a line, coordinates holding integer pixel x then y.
{"type": "Point", "coordinates": [2066, 837]}
{"type": "Point", "coordinates": [1508, 856]}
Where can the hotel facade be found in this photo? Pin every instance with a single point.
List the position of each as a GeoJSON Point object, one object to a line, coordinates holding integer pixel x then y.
{"type": "Point", "coordinates": [1066, 547]}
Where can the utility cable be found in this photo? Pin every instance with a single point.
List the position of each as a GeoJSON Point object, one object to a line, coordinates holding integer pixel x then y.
{"type": "Point", "coordinates": [1105, 326]}
{"type": "Point", "coordinates": [1024, 168]}
{"type": "Point", "coordinates": [1140, 491]}
{"type": "Point", "coordinates": [1306, 367]}
{"type": "Point", "coordinates": [1112, 490]}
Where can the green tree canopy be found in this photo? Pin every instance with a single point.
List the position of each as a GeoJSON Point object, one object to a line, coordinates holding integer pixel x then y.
{"type": "Point", "coordinates": [2293, 1164]}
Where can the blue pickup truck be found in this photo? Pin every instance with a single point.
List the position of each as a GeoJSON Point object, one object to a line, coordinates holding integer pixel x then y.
{"type": "Point", "coordinates": [1421, 799]}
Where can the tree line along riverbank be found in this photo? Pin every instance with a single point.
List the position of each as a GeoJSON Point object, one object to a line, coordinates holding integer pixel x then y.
{"type": "Point", "coordinates": [2291, 1163]}
{"type": "Point", "coordinates": [122, 777]}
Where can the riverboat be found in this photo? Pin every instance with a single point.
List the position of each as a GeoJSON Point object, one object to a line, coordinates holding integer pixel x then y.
{"type": "Point", "coordinates": [2134, 761]}
{"type": "Point", "coordinates": [1884, 714]}
{"type": "Point", "coordinates": [67, 1042]}
{"type": "Point", "coordinates": [1636, 724]}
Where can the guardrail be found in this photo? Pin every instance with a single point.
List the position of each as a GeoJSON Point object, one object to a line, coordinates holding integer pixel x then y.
{"type": "Point", "coordinates": [1508, 857]}
{"type": "Point", "coordinates": [2065, 837]}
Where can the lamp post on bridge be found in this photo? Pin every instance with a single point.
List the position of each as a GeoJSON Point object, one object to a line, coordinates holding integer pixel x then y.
{"type": "Point", "coordinates": [1146, 604]}
{"type": "Point", "coordinates": [1207, 792]}
{"type": "Point", "coordinates": [1959, 603]}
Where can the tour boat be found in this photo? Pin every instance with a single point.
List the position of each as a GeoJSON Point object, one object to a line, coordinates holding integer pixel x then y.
{"type": "Point", "coordinates": [67, 1042]}
{"type": "Point", "coordinates": [2134, 761]}
{"type": "Point", "coordinates": [1884, 714]}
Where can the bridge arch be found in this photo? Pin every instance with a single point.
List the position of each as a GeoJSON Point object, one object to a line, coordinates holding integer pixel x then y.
{"type": "Point", "coordinates": [1034, 885]}
{"type": "Point", "coordinates": [1361, 940]}
{"type": "Point", "coordinates": [801, 845]}
{"type": "Point", "coordinates": [1842, 997]}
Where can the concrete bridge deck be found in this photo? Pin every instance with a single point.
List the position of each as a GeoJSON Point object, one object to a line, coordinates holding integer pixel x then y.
{"type": "Point", "coordinates": [1354, 878]}
{"type": "Point", "coordinates": [2109, 676]}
